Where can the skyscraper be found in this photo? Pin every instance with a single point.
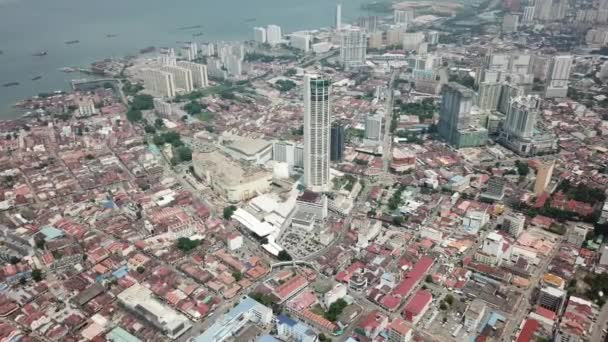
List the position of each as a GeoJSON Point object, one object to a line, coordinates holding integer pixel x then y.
{"type": "Point", "coordinates": [159, 82]}
{"type": "Point", "coordinates": [337, 142]}
{"type": "Point", "coordinates": [489, 95]}
{"type": "Point", "coordinates": [403, 16]}
{"type": "Point", "coordinates": [373, 127]}
{"type": "Point", "coordinates": [259, 34]}
{"type": "Point", "coordinates": [338, 23]}
{"type": "Point", "coordinates": [521, 117]}
{"type": "Point", "coordinates": [181, 76]}
{"type": "Point", "coordinates": [317, 121]}
{"type": "Point", "coordinates": [273, 34]}
{"type": "Point", "coordinates": [559, 76]}
{"type": "Point", "coordinates": [353, 46]}
{"type": "Point", "coordinates": [456, 103]}
{"type": "Point", "coordinates": [199, 73]}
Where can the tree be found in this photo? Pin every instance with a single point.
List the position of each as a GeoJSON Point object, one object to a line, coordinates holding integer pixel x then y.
{"type": "Point", "coordinates": [142, 102]}
{"type": "Point", "coordinates": [186, 245]}
{"type": "Point", "coordinates": [443, 306]}
{"type": "Point", "coordinates": [39, 243]}
{"type": "Point", "coordinates": [522, 168]}
{"type": "Point", "coordinates": [398, 220]}
{"type": "Point", "coordinates": [335, 309]}
{"type": "Point", "coordinates": [22, 280]}
{"type": "Point", "coordinates": [284, 85]}
{"type": "Point", "coordinates": [36, 275]}
{"type": "Point", "coordinates": [184, 153]}
{"type": "Point", "coordinates": [14, 260]}
{"type": "Point", "coordinates": [141, 269]}
{"type": "Point", "coordinates": [228, 211]}
{"type": "Point", "coordinates": [449, 299]}
{"type": "Point", "coordinates": [134, 115]}
{"type": "Point", "coordinates": [428, 279]}
{"type": "Point", "coordinates": [159, 123]}
{"type": "Point", "coordinates": [284, 256]}
{"type": "Point", "coordinates": [193, 108]}
{"type": "Point", "coordinates": [150, 129]}
{"type": "Point", "coordinates": [237, 275]}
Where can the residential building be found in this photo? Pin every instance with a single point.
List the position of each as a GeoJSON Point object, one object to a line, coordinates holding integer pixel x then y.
{"type": "Point", "coordinates": [514, 223]}
{"type": "Point", "coordinates": [577, 321]}
{"type": "Point", "coordinates": [300, 41]}
{"type": "Point", "coordinates": [337, 142]}
{"type": "Point", "coordinates": [403, 16]}
{"type": "Point", "coordinates": [552, 298]}
{"type": "Point", "coordinates": [399, 331]}
{"type": "Point", "coordinates": [412, 41]}
{"type": "Point", "coordinates": [576, 232]}
{"type": "Point", "coordinates": [473, 315]}
{"type": "Point", "coordinates": [259, 35]}
{"type": "Point", "coordinates": [489, 95]}
{"type": "Point", "coordinates": [495, 190]}
{"type": "Point", "coordinates": [510, 23]}
{"type": "Point", "coordinates": [140, 300]}
{"type": "Point", "coordinates": [159, 82]}
{"type": "Point", "coordinates": [559, 76]}
{"type": "Point", "coordinates": [521, 118]}
{"type": "Point", "coordinates": [291, 330]}
{"type": "Point", "coordinates": [317, 132]}
{"type": "Point", "coordinates": [543, 177]}
{"type": "Point", "coordinates": [234, 65]}
{"type": "Point", "coordinates": [353, 47]}
{"type": "Point", "coordinates": [417, 306]}
{"type": "Point", "coordinates": [273, 34]}
{"type": "Point", "coordinates": [373, 128]}
{"type": "Point", "coordinates": [528, 16]}
{"type": "Point", "coordinates": [336, 292]}
{"type": "Point", "coordinates": [181, 76]}
{"type": "Point", "coordinates": [247, 311]}
{"type": "Point", "coordinates": [199, 73]}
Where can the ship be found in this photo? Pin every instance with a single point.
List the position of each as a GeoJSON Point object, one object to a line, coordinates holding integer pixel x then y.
{"type": "Point", "coordinates": [67, 69]}
{"type": "Point", "coordinates": [40, 54]}
{"type": "Point", "coordinates": [1, 52]}
{"type": "Point", "coordinates": [10, 84]}
{"type": "Point", "coordinates": [70, 42]}
{"type": "Point", "coordinates": [111, 35]}
{"type": "Point", "coordinates": [36, 78]}
{"type": "Point", "coordinates": [147, 50]}
{"type": "Point", "coordinates": [198, 34]}
{"type": "Point", "coordinates": [250, 20]}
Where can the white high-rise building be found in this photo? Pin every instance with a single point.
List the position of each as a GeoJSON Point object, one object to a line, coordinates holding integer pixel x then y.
{"type": "Point", "coordinates": [528, 16]}
{"type": "Point", "coordinates": [208, 49]}
{"type": "Point", "coordinates": [338, 23]}
{"type": "Point", "coordinates": [373, 127]}
{"type": "Point", "coordinates": [353, 47]}
{"type": "Point", "coordinates": [190, 51]}
{"type": "Point", "coordinates": [300, 41]}
{"type": "Point", "coordinates": [403, 16]}
{"type": "Point", "coordinates": [514, 223]}
{"type": "Point", "coordinates": [234, 65]}
{"type": "Point", "coordinates": [273, 34]}
{"type": "Point", "coordinates": [521, 117]}
{"type": "Point", "coordinates": [168, 58]}
{"type": "Point", "coordinates": [317, 128]}
{"type": "Point", "coordinates": [559, 76]}
{"type": "Point", "coordinates": [199, 73]}
{"type": "Point", "coordinates": [510, 23]}
{"type": "Point", "coordinates": [411, 41]}
{"type": "Point", "coordinates": [181, 76]}
{"type": "Point", "coordinates": [159, 82]}
{"type": "Point", "coordinates": [259, 34]}
{"type": "Point", "coordinates": [489, 95]}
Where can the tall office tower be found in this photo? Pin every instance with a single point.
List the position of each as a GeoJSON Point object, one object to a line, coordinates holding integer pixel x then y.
{"type": "Point", "coordinates": [338, 19]}
{"type": "Point", "coordinates": [489, 95]}
{"type": "Point", "coordinates": [559, 76]}
{"type": "Point", "coordinates": [199, 73]}
{"type": "Point", "coordinates": [234, 65]}
{"type": "Point", "coordinates": [510, 23]}
{"type": "Point", "coordinates": [528, 16]}
{"type": "Point", "coordinates": [521, 117]}
{"type": "Point", "coordinates": [454, 115]}
{"type": "Point", "coordinates": [300, 41]}
{"type": "Point", "coordinates": [337, 142]}
{"type": "Point", "coordinates": [159, 82]}
{"type": "Point", "coordinates": [353, 46]}
{"type": "Point", "coordinates": [181, 76]}
{"type": "Point", "coordinates": [373, 127]}
{"type": "Point", "coordinates": [317, 122]}
{"type": "Point", "coordinates": [550, 10]}
{"type": "Point", "coordinates": [412, 41]}
{"type": "Point", "coordinates": [507, 93]}
{"type": "Point", "coordinates": [259, 34]}
{"type": "Point", "coordinates": [207, 49]}
{"type": "Point", "coordinates": [543, 177]}
{"type": "Point", "coordinates": [369, 24]}
{"type": "Point", "coordinates": [403, 16]}
{"type": "Point", "coordinates": [273, 34]}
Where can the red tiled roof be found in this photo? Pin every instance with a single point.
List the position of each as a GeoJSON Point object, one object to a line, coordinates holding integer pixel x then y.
{"type": "Point", "coordinates": [528, 330]}
{"type": "Point", "coordinates": [417, 304]}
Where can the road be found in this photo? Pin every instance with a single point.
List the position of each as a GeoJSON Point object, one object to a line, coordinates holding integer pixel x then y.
{"type": "Point", "coordinates": [597, 333]}
{"type": "Point", "coordinates": [388, 117]}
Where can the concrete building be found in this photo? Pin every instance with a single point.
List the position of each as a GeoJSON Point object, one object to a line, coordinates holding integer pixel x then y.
{"type": "Point", "coordinates": [604, 255]}
{"type": "Point", "coordinates": [489, 95]}
{"type": "Point", "coordinates": [543, 177]}
{"type": "Point", "coordinates": [510, 23]}
{"type": "Point", "coordinates": [338, 18]}
{"type": "Point", "coordinates": [559, 77]}
{"type": "Point", "coordinates": [521, 117]}
{"type": "Point", "coordinates": [255, 151]}
{"type": "Point", "coordinates": [181, 76]}
{"type": "Point", "coordinates": [474, 314]}
{"type": "Point", "coordinates": [291, 330]}
{"type": "Point", "coordinates": [412, 41]}
{"type": "Point", "coordinates": [336, 292]}
{"type": "Point", "coordinates": [232, 181]}
{"type": "Point", "coordinates": [234, 65]}
{"type": "Point", "coordinates": [141, 301]}
{"type": "Point", "coordinates": [373, 128]}
{"type": "Point", "coordinates": [399, 331]}
{"type": "Point", "coordinates": [273, 35]}
{"type": "Point", "coordinates": [514, 223]}
{"type": "Point", "coordinates": [552, 298]}
{"type": "Point", "coordinates": [353, 47]}
{"type": "Point", "coordinates": [199, 73]}
{"type": "Point", "coordinates": [403, 16]}
{"type": "Point", "coordinates": [247, 311]}
{"type": "Point", "coordinates": [314, 203]}
{"type": "Point", "coordinates": [528, 16]}
{"type": "Point", "coordinates": [417, 306]}
{"type": "Point", "coordinates": [259, 35]}
{"type": "Point", "coordinates": [495, 190]}
{"type": "Point", "coordinates": [576, 232]}
{"type": "Point", "coordinates": [337, 142]}
{"type": "Point", "coordinates": [317, 132]}
{"type": "Point", "coordinates": [300, 41]}
{"type": "Point", "coordinates": [159, 82]}
{"type": "Point", "coordinates": [455, 123]}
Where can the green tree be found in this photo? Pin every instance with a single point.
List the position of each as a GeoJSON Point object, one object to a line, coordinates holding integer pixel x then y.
{"type": "Point", "coordinates": [149, 129]}
{"type": "Point", "coordinates": [134, 115]}
{"type": "Point", "coordinates": [449, 299]}
{"type": "Point", "coordinates": [142, 102]}
{"type": "Point", "coordinates": [284, 85]}
{"type": "Point", "coordinates": [186, 245]}
{"type": "Point", "coordinates": [184, 153]}
{"type": "Point", "coordinates": [228, 211]}
{"type": "Point", "coordinates": [36, 275]}
{"type": "Point", "coordinates": [522, 168]}
{"type": "Point", "coordinates": [284, 256]}
{"type": "Point", "coordinates": [443, 306]}
{"type": "Point", "coordinates": [141, 269]}
{"type": "Point", "coordinates": [14, 260]}
{"type": "Point", "coordinates": [237, 275]}
{"type": "Point", "coordinates": [159, 123]}
{"type": "Point", "coordinates": [193, 108]}
{"type": "Point", "coordinates": [335, 309]}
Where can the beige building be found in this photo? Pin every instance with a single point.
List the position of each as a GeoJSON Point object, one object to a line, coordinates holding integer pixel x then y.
{"type": "Point", "coordinates": [231, 180]}
{"type": "Point", "coordinates": [543, 177]}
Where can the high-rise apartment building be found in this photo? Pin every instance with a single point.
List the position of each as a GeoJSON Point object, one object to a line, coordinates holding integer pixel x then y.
{"type": "Point", "coordinates": [337, 142]}
{"type": "Point", "coordinates": [559, 76]}
{"type": "Point", "coordinates": [353, 46]}
{"type": "Point", "coordinates": [259, 34]}
{"type": "Point", "coordinates": [514, 223]}
{"type": "Point", "coordinates": [489, 95]}
{"type": "Point", "coordinates": [181, 76]}
{"type": "Point", "coordinates": [521, 117]}
{"type": "Point", "coordinates": [317, 123]}
{"type": "Point", "coordinates": [456, 103]}
{"type": "Point", "coordinates": [199, 73]}
{"type": "Point", "coordinates": [373, 127]}
{"type": "Point", "coordinates": [273, 34]}
{"type": "Point", "coordinates": [159, 82]}
{"type": "Point", "coordinates": [403, 16]}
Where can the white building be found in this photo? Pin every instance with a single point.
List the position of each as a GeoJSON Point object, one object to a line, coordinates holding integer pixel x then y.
{"type": "Point", "coordinates": [234, 241]}
{"type": "Point", "coordinates": [521, 117]}
{"type": "Point", "coordinates": [510, 23]}
{"type": "Point", "coordinates": [528, 16]}
{"type": "Point", "coordinates": [141, 301]}
{"type": "Point", "coordinates": [259, 34]}
{"type": "Point", "coordinates": [474, 220]}
{"type": "Point", "coordinates": [181, 76]}
{"type": "Point", "coordinates": [373, 127]}
{"type": "Point", "coordinates": [317, 128]}
{"type": "Point", "coordinates": [337, 292]}
{"type": "Point", "coordinates": [159, 82]}
{"type": "Point", "coordinates": [514, 223]}
{"type": "Point", "coordinates": [199, 73]}
{"type": "Point", "coordinates": [559, 76]}
{"type": "Point", "coordinates": [403, 16]}
{"type": "Point", "coordinates": [273, 34]}
{"type": "Point", "coordinates": [234, 65]}
{"type": "Point", "coordinates": [338, 19]}
{"type": "Point", "coordinates": [353, 47]}
{"type": "Point", "coordinates": [291, 330]}
{"type": "Point", "coordinates": [473, 315]}
{"type": "Point", "coordinates": [412, 41]}
{"type": "Point", "coordinates": [163, 108]}
{"type": "Point", "coordinates": [300, 41]}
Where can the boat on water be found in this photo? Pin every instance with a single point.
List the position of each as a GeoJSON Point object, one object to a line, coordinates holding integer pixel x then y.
{"type": "Point", "coordinates": [198, 34]}
{"type": "Point", "coordinates": [250, 20]}
{"type": "Point", "coordinates": [10, 84]}
{"type": "Point", "coordinates": [70, 42]}
{"type": "Point", "coordinates": [111, 35]}
{"type": "Point", "coordinates": [40, 54]}
{"type": "Point", "coordinates": [36, 78]}
{"type": "Point", "coordinates": [184, 28]}
{"type": "Point", "coordinates": [147, 50]}
{"type": "Point", "coordinates": [67, 69]}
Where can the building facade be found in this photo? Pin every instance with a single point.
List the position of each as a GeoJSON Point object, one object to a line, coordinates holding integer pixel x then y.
{"type": "Point", "coordinates": [317, 135]}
